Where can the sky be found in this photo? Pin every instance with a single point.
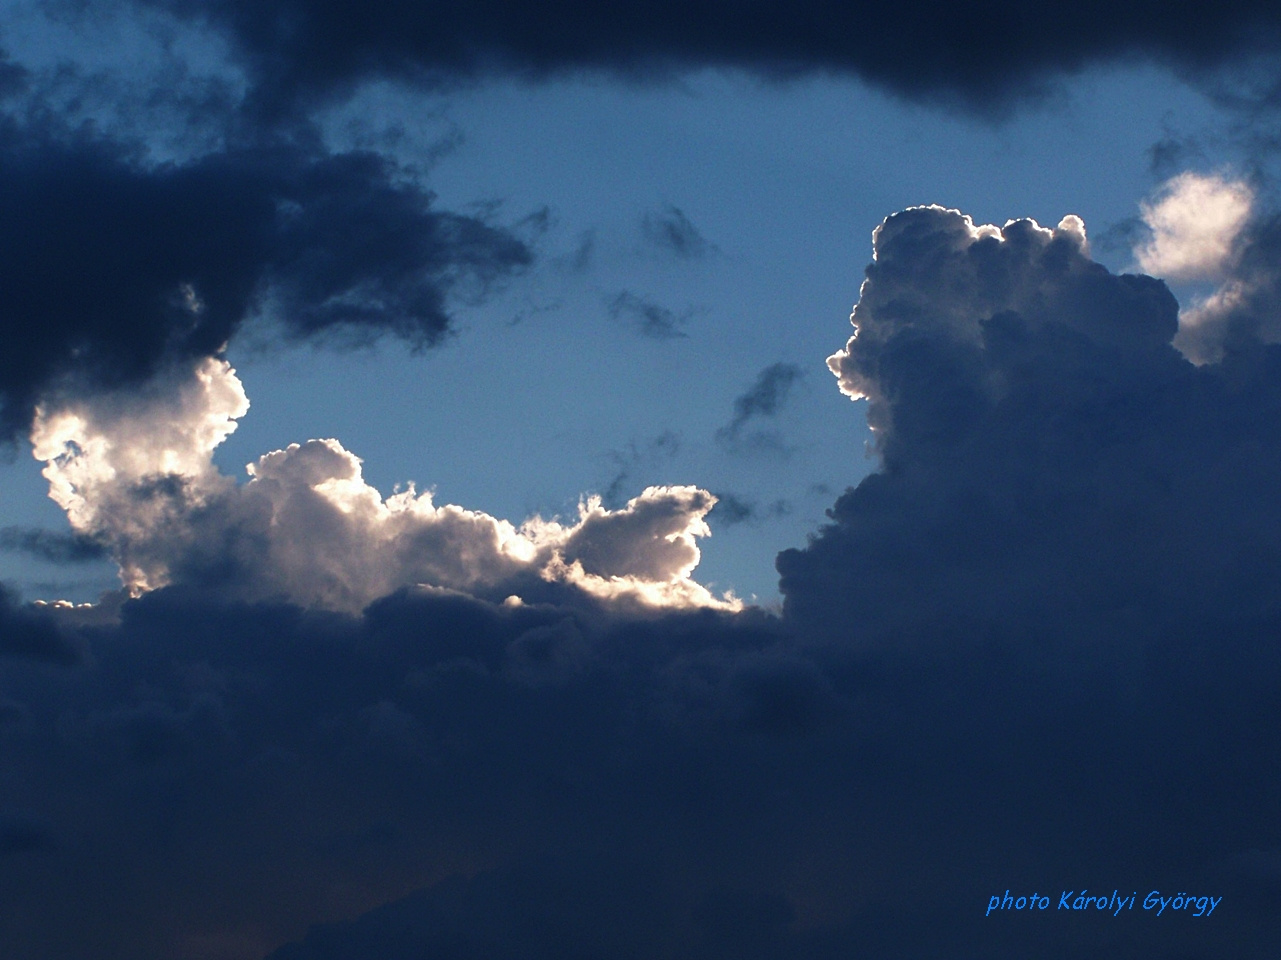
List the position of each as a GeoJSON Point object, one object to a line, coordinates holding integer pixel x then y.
{"type": "Point", "coordinates": [722, 480]}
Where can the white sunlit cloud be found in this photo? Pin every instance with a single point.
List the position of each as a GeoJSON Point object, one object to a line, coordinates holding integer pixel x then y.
{"type": "Point", "coordinates": [915, 279]}
{"type": "Point", "coordinates": [1195, 222]}
{"type": "Point", "coordinates": [136, 474]}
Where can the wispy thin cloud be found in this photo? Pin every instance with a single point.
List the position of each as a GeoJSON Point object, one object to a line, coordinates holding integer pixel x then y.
{"type": "Point", "coordinates": [673, 232]}
{"type": "Point", "coordinates": [648, 318]}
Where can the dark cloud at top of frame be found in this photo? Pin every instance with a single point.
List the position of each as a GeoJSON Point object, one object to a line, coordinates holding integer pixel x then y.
{"type": "Point", "coordinates": [111, 267]}
{"type": "Point", "coordinates": [983, 55]}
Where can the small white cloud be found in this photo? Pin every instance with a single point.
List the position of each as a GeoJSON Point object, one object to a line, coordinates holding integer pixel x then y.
{"type": "Point", "coordinates": [1195, 222]}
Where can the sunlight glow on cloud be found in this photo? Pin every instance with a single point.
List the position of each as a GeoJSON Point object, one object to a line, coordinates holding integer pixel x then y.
{"type": "Point", "coordinates": [1195, 223]}
{"type": "Point", "coordinates": [110, 462]}
{"type": "Point", "coordinates": [136, 474]}
{"type": "Point", "coordinates": [922, 249]}
{"type": "Point", "coordinates": [1209, 228]}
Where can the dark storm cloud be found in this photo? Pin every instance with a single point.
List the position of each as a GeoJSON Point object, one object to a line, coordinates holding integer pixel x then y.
{"type": "Point", "coordinates": [553, 780]}
{"type": "Point", "coordinates": [49, 545]}
{"type": "Point", "coordinates": [1036, 651]}
{"type": "Point", "coordinates": [298, 50]}
{"type": "Point", "coordinates": [32, 633]}
{"type": "Point", "coordinates": [110, 267]}
{"type": "Point", "coordinates": [648, 318]}
{"type": "Point", "coordinates": [675, 233]}
{"type": "Point", "coordinates": [20, 834]}
{"type": "Point", "coordinates": [243, 760]}
{"type": "Point", "coordinates": [764, 398]}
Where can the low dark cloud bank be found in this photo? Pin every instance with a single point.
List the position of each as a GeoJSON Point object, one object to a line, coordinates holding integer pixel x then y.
{"type": "Point", "coordinates": [112, 267]}
{"type": "Point", "coordinates": [33, 633]}
{"type": "Point", "coordinates": [983, 54]}
{"type": "Point", "coordinates": [1036, 651]}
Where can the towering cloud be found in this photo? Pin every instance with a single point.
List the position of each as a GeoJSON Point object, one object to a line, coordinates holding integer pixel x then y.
{"type": "Point", "coordinates": [1052, 466]}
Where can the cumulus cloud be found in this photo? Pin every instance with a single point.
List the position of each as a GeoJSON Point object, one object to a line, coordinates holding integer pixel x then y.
{"type": "Point", "coordinates": [134, 472]}
{"type": "Point", "coordinates": [1051, 465]}
{"type": "Point", "coordinates": [1195, 222]}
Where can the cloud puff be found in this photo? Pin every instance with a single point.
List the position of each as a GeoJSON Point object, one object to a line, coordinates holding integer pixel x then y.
{"type": "Point", "coordinates": [1195, 222]}
{"type": "Point", "coordinates": [134, 472]}
{"type": "Point", "coordinates": [114, 267]}
{"type": "Point", "coordinates": [1210, 228]}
